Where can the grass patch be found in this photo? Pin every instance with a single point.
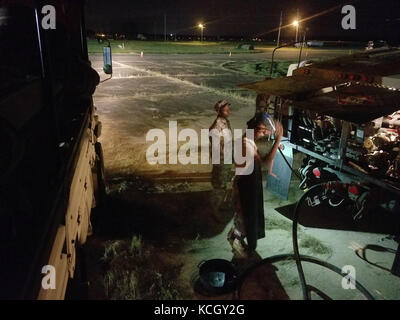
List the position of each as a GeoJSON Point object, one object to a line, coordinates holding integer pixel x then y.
{"type": "Point", "coordinates": [281, 224]}
{"type": "Point", "coordinates": [131, 273]}
{"type": "Point", "coordinates": [169, 47]}
{"type": "Point", "coordinates": [314, 245]}
{"type": "Point", "coordinates": [305, 241]}
{"type": "Point", "coordinates": [294, 282]}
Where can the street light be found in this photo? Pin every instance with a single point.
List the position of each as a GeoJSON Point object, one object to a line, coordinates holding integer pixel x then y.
{"type": "Point", "coordinates": [296, 25]}
{"type": "Point", "coordinates": [201, 26]}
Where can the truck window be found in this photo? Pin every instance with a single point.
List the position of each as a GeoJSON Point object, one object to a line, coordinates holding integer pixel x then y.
{"type": "Point", "coordinates": [19, 52]}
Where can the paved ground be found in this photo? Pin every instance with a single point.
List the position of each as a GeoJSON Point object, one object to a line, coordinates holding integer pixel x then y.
{"type": "Point", "coordinates": [145, 93]}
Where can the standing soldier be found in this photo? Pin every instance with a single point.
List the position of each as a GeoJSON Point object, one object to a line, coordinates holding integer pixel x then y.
{"type": "Point", "coordinates": [262, 102]}
{"type": "Point", "coordinates": [221, 172]}
{"type": "Point", "coordinates": [249, 218]}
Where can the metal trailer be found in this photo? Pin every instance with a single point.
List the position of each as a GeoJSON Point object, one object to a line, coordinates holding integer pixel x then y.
{"type": "Point", "coordinates": [354, 90]}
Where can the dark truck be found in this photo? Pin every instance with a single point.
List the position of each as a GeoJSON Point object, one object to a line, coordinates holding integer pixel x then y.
{"type": "Point", "coordinates": [51, 173]}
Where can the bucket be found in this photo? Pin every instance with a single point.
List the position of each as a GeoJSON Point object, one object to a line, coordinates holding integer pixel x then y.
{"type": "Point", "coordinates": [217, 276]}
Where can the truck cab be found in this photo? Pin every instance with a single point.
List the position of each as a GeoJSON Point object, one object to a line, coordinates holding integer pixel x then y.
{"type": "Point", "coordinates": [51, 175]}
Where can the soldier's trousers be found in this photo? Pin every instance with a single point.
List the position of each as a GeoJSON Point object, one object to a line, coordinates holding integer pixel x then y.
{"type": "Point", "coordinates": [221, 175]}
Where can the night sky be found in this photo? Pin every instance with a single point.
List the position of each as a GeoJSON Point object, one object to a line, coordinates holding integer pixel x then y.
{"type": "Point", "coordinates": [244, 18]}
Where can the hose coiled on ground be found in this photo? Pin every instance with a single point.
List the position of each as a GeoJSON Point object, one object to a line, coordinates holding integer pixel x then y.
{"type": "Point", "coordinates": [306, 289]}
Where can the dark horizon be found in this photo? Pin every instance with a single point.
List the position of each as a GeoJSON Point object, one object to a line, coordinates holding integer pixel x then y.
{"type": "Point", "coordinates": [252, 18]}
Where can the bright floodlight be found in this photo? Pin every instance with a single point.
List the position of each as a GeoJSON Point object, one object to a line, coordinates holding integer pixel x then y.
{"type": "Point", "coordinates": [201, 26]}
{"type": "Point", "coordinates": [295, 23]}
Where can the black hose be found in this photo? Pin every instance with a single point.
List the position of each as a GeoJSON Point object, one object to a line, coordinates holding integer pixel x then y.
{"type": "Point", "coordinates": [288, 164]}
{"type": "Point", "coordinates": [296, 247]}
{"type": "Point", "coordinates": [109, 78]}
{"type": "Point", "coordinates": [290, 256]}
{"type": "Point", "coordinates": [361, 253]}
{"type": "Point", "coordinates": [296, 244]}
{"type": "Point", "coordinates": [298, 258]}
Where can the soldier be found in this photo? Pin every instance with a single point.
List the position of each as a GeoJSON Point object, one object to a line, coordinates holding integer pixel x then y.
{"type": "Point", "coordinates": [248, 189]}
{"type": "Point", "coordinates": [221, 172]}
{"type": "Point", "coordinates": [262, 102]}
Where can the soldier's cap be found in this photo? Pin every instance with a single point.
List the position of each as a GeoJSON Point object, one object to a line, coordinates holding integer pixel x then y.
{"type": "Point", "coordinates": [220, 104]}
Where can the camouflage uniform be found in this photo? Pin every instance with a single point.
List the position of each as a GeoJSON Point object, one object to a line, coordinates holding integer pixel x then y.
{"type": "Point", "coordinates": [221, 173]}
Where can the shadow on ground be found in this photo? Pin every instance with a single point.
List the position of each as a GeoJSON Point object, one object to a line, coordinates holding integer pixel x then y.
{"type": "Point", "coordinates": [162, 218]}
{"type": "Point", "coordinates": [165, 220]}
{"type": "Point", "coordinates": [263, 284]}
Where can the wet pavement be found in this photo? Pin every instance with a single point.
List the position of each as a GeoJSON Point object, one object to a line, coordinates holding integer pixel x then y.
{"type": "Point", "coordinates": [147, 92]}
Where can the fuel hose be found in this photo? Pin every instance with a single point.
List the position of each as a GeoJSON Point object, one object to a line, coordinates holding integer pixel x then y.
{"type": "Point", "coordinates": [306, 289]}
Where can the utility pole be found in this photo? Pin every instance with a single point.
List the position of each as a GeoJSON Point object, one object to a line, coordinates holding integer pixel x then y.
{"type": "Point", "coordinates": [297, 27]}
{"type": "Point", "coordinates": [278, 42]}
{"type": "Point", "coordinates": [165, 27]}
{"type": "Point", "coordinates": [201, 26]}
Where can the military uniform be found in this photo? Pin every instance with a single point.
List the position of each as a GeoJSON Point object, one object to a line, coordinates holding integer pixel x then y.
{"type": "Point", "coordinates": [221, 173]}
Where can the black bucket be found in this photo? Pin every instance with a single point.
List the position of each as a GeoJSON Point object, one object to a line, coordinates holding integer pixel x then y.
{"type": "Point", "coordinates": [217, 276]}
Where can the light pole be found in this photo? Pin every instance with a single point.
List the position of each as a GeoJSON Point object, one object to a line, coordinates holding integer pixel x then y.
{"type": "Point", "coordinates": [201, 26]}
{"type": "Point", "coordinates": [279, 32]}
{"type": "Point", "coordinates": [165, 27]}
{"type": "Point", "coordinates": [296, 25]}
